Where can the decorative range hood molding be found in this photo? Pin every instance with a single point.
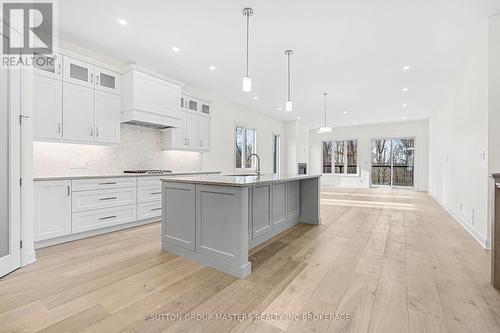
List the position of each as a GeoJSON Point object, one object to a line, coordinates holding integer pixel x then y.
{"type": "Point", "coordinates": [150, 99]}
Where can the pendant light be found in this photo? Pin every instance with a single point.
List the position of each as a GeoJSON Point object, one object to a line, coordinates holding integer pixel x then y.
{"type": "Point", "coordinates": [288, 103]}
{"type": "Point", "coordinates": [325, 129]}
{"type": "Point", "coordinates": [247, 81]}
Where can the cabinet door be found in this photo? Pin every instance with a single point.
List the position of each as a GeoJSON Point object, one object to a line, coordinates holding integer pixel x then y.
{"type": "Point", "coordinates": [192, 126]}
{"type": "Point", "coordinates": [108, 81]}
{"type": "Point", "coordinates": [47, 108]}
{"type": "Point", "coordinates": [78, 72]}
{"type": "Point", "coordinates": [107, 117]}
{"type": "Point", "coordinates": [178, 226]}
{"type": "Point", "coordinates": [261, 210]}
{"type": "Point", "coordinates": [204, 131]}
{"type": "Point", "coordinates": [78, 113]}
{"type": "Point", "coordinates": [205, 108]}
{"type": "Point", "coordinates": [52, 209]}
{"type": "Point", "coordinates": [179, 138]}
{"type": "Point", "coordinates": [48, 65]}
{"type": "Point", "coordinates": [193, 104]}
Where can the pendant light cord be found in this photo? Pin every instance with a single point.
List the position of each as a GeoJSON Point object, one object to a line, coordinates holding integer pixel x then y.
{"type": "Point", "coordinates": [289, 76]}
{"type": "Point", "coordinates": [325, 108]}
{"type": "Point", "coordinates": [248, 28]}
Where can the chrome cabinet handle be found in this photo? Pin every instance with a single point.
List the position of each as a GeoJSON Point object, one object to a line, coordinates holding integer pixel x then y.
{"type": "Point", "coordinates": [107, 217]}
{"type": "Point", "coordinates": [201, 143]}
{"type": "Point", "coordinates": [155, 193]}
{"type": "Point", "coordinates": [91, 78]}
{"type": "Point", "coordinates": [59, 129]}
{"type": "Point", "coordinates": [69, 191]}
{"type": "Point", "coordinates": [91, 131]}
{"type": "Point", "coordinates": [108, 183]}
{"type": "Point", "coordinates": [97, 131]}
{"type": "Point", "coordinates": [153, 209]}
{"type": "Point", "coordinates": [97, 79]}
{"type": "Point", "coordinates": [109, 198]}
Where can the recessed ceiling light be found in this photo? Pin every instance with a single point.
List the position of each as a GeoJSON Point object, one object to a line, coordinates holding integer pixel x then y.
{"type": "Point", "coordinates": [355, 123]}
{"type": "Point", "coordinates": [280, 109]}
{"type": "Point", "coordinates": [406, 68]}
{"type": "Point", "coordinates": [298, 118]}
{"type": "Point", "coordinates": [345, 112]}
{"type": "Point", "coordinates": [175, 48]}
{"type": "Point", "coordinates": [404, 118]}
{"type": "Point", "coordinates": [404, 105]}
{"type": "Point", "coordinates": [122, 22]}
{"type": "Point", "coordinates": [212, 68]}
{"type": "Point", "coordinates": [404, 89]}
{"type": "Point", "coordinates": [256, 97]}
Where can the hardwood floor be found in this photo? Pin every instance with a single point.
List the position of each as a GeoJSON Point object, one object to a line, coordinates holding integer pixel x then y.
{"type": "Point", "coordinates": [392, 261]}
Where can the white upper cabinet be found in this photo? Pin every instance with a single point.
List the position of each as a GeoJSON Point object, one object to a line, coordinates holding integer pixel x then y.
{"type": "Point", "coordinates": [108, 81]}
{"type": "Point", "coordinates": [195, 129]}
{"type": "Point", "coordinates": [48, 108]}
{"type": "Point", "coordinates": [107, 117]}
{"type": "Point", "coordinates": [192, 131]}
{"type": "Point", "coordinates": [78, 113]}
{"type": "Point", "coordinates": [204, 132]}
{"type": "Point", "coordinates": [48, 65]}
{"type": "Point", "coordinates": [78, 72]}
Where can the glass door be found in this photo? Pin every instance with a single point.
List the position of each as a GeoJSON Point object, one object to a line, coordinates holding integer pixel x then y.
{"type": "Point", "coordinates": [393, 162]}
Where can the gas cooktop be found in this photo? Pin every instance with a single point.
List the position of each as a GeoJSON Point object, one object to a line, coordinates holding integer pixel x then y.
{"type": "Point", "coordinates": [149, 172]}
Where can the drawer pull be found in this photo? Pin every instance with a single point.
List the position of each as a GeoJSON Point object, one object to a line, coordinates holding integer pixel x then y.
{"type": "Point", "coordinates": [153, 209]}
{"type": "Point", "coordinates": [154, 193]}
{"type": "Point", "coordinates": [109, 198]}
{"type": "Point", "coordinates": [107, 217]}
{"type": "Point", "coordinates": [108, 183]}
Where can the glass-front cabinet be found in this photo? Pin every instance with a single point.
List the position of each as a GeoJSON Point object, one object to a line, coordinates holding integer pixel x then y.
{"type": "Point", "coordinates": [48, 65]}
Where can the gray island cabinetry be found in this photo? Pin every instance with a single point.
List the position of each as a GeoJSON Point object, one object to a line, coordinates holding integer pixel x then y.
{"type": "Point", "coordinates": [215, 220]}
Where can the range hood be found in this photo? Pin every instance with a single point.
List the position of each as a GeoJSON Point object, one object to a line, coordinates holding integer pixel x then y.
{"type": "Point", "coordinates": [150, 99]}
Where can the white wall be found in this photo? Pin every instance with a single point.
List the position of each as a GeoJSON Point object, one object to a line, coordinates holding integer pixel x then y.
{"type": "Point", "coordinates": [458, 137]}
{"type": "Point", "coordinates": [225, 116]}
{"type": "Point", "coordinates": [494, 94]}
{"type": "Point", "coordinates": [296, 146]}
{"type": "Point", "coordinates": [364, 135]}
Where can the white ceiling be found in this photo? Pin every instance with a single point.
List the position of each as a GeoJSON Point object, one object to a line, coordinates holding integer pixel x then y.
{"type": "Point", "coordinates": [353, 49]}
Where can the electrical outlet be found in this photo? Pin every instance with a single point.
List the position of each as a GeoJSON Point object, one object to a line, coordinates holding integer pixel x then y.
{"type": "Point", "coordinates": [482, 155]}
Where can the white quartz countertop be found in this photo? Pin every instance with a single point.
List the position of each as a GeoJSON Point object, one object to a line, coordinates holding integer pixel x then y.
{"type": "Point", "coordinates": [232, 180]}
{"type": "Point", "coordinates": [173, 174]}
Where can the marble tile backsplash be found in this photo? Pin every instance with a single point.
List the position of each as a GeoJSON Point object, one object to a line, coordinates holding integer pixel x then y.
{"type": "Point", "coordinates": [140, 148]}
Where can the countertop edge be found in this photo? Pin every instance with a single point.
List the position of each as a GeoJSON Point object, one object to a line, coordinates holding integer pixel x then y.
{"type": "Point", "coordinates": [235, 184]}
{"type": "Point", "coordinates": [122, 175]}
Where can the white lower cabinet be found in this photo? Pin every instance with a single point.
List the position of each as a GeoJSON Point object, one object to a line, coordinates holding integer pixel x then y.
{"type": "Point", "coordinates": [96, 219]}
{"type": "Point", "coordinates": [73, 207]}
{"type": "Point", "coordinates": [52, 209]}
{"type": "Point", "coordinates": [148, 210]}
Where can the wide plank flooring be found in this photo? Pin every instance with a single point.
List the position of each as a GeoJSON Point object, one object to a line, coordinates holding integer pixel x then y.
{"type": "Point", "coordinates": [382, 261]}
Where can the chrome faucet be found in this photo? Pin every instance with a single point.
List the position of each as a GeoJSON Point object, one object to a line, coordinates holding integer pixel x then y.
{"type": "Point", "coordinates": [257, 170]}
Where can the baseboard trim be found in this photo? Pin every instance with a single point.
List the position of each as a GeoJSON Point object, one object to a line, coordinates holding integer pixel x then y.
{"type": "Point", "coordinates": [483, 242]}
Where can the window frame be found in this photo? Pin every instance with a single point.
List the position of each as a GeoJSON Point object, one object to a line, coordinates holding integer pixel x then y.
{"type": "Point", "coordinates": [243, 152]}
{"type": "Point", "coordinates": [276, 153]}
{"type": "Point", "coordinates": [333, 157]}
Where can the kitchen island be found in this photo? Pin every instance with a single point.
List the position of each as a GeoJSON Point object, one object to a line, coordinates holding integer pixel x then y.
{"type": "Point", "coordinates": [216, 219]}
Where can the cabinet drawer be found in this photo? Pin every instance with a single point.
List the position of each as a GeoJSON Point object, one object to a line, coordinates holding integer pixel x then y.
{"type": "Point", "coordinates": [149, 193]}
{"type": "Point", "coordinates": [87, 200]}
{"type": "Point", "coordinates": [149, 181]}
{"type": "Point", "coordinates": [103, 183]}
{"type": "Point", "coordinates": [102, 218]}
{"type": "Point", "coordinates": [148, 210]}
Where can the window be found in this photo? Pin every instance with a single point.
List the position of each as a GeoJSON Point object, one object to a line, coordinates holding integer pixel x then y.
{"type": "Point", "coordinates": [246, 142]}
{"type": "Point", "coordinates": [340, 157]}
{"type": "Point", "coordinates": [276, 153]}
